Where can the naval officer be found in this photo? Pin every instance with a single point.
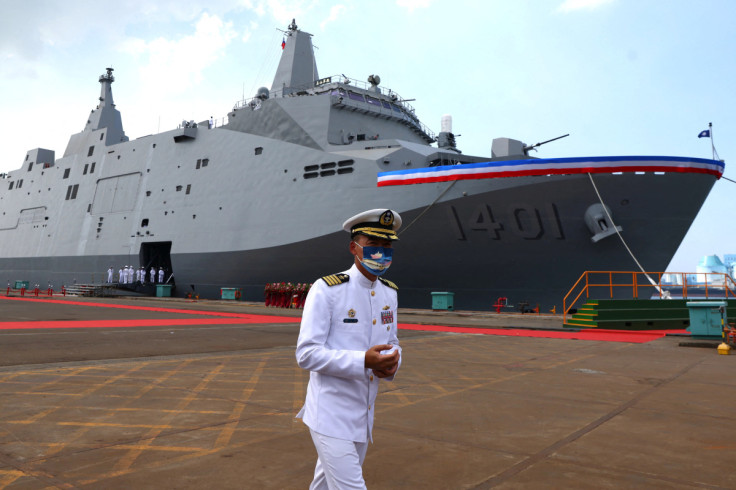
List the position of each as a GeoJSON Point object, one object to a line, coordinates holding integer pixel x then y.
{"type": "Point", "coordinates": [348, 342]}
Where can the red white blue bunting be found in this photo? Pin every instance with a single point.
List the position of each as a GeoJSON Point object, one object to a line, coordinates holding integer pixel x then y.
{"type": "Point", "coordinates": [550, 166]}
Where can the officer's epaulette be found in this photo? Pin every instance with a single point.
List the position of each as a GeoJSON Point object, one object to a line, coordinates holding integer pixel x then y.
{"type": "Point", "coordinates": [389, 283]}
{"type": "Point", "coordinates": [335, 279]}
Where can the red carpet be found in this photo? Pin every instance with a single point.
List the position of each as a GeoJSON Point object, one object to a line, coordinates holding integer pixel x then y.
{"type": "Point", "coordinates": [241, 318]}
{"type": "Point", "coordinates": [637, 337]}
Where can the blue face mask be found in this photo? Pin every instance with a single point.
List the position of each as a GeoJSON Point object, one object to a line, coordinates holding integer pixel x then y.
{"type": "Point", "coordinates": [376, 260]}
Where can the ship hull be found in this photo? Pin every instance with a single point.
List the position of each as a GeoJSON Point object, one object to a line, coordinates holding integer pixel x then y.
{"type": "Point", "coordinates": [527, 241]}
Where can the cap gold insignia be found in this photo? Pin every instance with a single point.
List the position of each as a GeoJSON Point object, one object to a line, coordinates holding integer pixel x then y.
{"type": "Point", "coordinates": [351, 313]}
{"type": "Point", "coordinates": [387, 218]}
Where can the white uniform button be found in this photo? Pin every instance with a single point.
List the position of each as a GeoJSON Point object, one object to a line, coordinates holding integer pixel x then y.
{"type": "Point", "coordinates": [374, 321]}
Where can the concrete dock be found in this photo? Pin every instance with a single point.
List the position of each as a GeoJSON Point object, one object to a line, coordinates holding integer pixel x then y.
{"type": "Point", "coordinates": [168, 393]}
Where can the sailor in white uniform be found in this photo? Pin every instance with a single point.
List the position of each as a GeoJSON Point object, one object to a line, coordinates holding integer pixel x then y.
{"type": "Point", "coordinates": [161, 274]}
{"type": "Point", "coordinates": [153, 275]}
{"type": "Point", "coordinates": [348, 341]}
{"type": "Point", "coordinates": [109, 274]}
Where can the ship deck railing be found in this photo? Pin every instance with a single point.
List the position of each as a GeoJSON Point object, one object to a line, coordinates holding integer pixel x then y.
{"type": "Point", "coordinates": [637, 285]}
{"type": "Point", "coordinates": [328, 84]}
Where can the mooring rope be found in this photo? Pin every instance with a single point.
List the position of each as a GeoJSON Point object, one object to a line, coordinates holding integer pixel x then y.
{"type": "Point", "coordinates": [615, 228]}
{"type": "Point", "coordinates": [428, 207]}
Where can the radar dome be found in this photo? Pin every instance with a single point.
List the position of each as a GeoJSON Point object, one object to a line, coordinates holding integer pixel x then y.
{"type": "Point", "coordinates": [262, 93]}
{"type": "Point", "coordinates": [374, 79]}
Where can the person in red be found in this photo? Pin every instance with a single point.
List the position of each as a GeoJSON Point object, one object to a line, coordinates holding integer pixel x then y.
{"type": "Point", "coordinates": [348, 341]}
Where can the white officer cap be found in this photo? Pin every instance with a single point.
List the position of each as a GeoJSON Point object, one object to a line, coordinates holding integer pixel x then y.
{"type": "Point", "coordinates": [381, 223]}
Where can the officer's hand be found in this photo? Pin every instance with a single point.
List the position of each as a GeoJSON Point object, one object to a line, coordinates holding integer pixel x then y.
{"type": "Point", "coordinates": [380, 362]}
{"type": "Point", "coordinates": [385, 373]}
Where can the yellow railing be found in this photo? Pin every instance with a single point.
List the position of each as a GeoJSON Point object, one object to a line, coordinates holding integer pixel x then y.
{"type": "Point", "coordinates": [711, 284]}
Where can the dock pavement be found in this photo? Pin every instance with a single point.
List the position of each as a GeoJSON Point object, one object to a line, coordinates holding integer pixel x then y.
{"type": "Point", "coordinates": [169, 393]}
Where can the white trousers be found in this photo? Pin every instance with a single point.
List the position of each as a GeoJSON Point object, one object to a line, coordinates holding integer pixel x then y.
{"type": "Point", "coordinates": [339, 463]}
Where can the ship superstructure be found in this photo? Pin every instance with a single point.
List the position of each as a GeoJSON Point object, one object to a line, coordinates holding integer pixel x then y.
{"type": "Point", "coordinates": [261, 199]}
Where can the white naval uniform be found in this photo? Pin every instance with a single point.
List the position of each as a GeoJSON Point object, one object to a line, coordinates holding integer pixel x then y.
{"type": "Point", "coordinates": [153, 275]}
{"type": "Point", "coordinates": [339, 324]}
{"type": "Point", "coordinates": [109, 275]}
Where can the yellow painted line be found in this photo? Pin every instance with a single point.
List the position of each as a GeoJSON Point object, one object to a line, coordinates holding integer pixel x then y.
{"type": "Point", "coordinates": [82, 431]}
{"type": "Point", "coordinates": [431, 382]}
{"type": "Point", "coordinates": [489, 383]}
{"type": "Point", "coordinates": [110, 424]}
{"type": "Point", "coordinates": [8, 477]}
{"type": "Point", "coordinates": [53, 393]}
{"type": "Point", "coordinates": [228, 430]}
{"type": "Point", "coordinates": [126, 461]}
{"type": "Point", "coordinates": [160, 410]}
{"type": "Point", "coordinates": [173, 449]}
{"type": "Point", "coordinates": [184, 458]}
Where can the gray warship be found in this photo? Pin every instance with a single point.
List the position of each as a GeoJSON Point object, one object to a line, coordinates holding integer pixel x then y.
{"type": "Point", "coordinates": [261, 198]}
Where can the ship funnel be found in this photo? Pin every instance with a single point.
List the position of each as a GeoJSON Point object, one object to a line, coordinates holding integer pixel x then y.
{"type": "Point", "coordinates": [297, 69]}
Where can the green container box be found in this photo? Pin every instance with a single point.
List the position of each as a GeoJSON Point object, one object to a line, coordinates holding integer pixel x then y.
{"type": "Point", "coordinates": [230, 293]}
{"type": "Point", "coordinates": [21, 284]}
{"type": "Point", "coordinates": [443, 301]}
{"type": "Point", "coordinates": [163, 290]}
{"type": "Point", "coordinates": [705, 318]}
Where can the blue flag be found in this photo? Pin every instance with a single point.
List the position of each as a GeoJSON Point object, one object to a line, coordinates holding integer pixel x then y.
{"type": "Point", "coordinates": [704, 133]}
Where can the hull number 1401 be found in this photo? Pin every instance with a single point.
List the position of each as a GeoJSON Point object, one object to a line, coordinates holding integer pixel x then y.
{"type": "Point", "coordinates": [519, 220]}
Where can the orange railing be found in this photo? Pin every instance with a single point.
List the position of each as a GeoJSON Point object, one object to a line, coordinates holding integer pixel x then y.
{"type": "Point", "coordinates": [711, 285]}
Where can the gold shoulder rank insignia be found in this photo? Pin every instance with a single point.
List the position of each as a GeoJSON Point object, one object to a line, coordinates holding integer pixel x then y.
{"type": "Point", "coordinates": [335, 279]}
{"type": "Point", "coordinates": [389, 283]}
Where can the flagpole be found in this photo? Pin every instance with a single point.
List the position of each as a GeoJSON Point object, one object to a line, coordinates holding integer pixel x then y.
{"type": "Point", "coordinates": [712, 146]}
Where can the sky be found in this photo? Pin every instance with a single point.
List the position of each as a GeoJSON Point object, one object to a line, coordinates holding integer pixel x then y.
{"type": "Point", "coordinates": [623, 77]}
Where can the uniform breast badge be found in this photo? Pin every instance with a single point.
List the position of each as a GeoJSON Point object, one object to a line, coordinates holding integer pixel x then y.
{"type": "Point", "coordinates": [351, 317]}
{"type": "Point", "coordinates": [387, 317]}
